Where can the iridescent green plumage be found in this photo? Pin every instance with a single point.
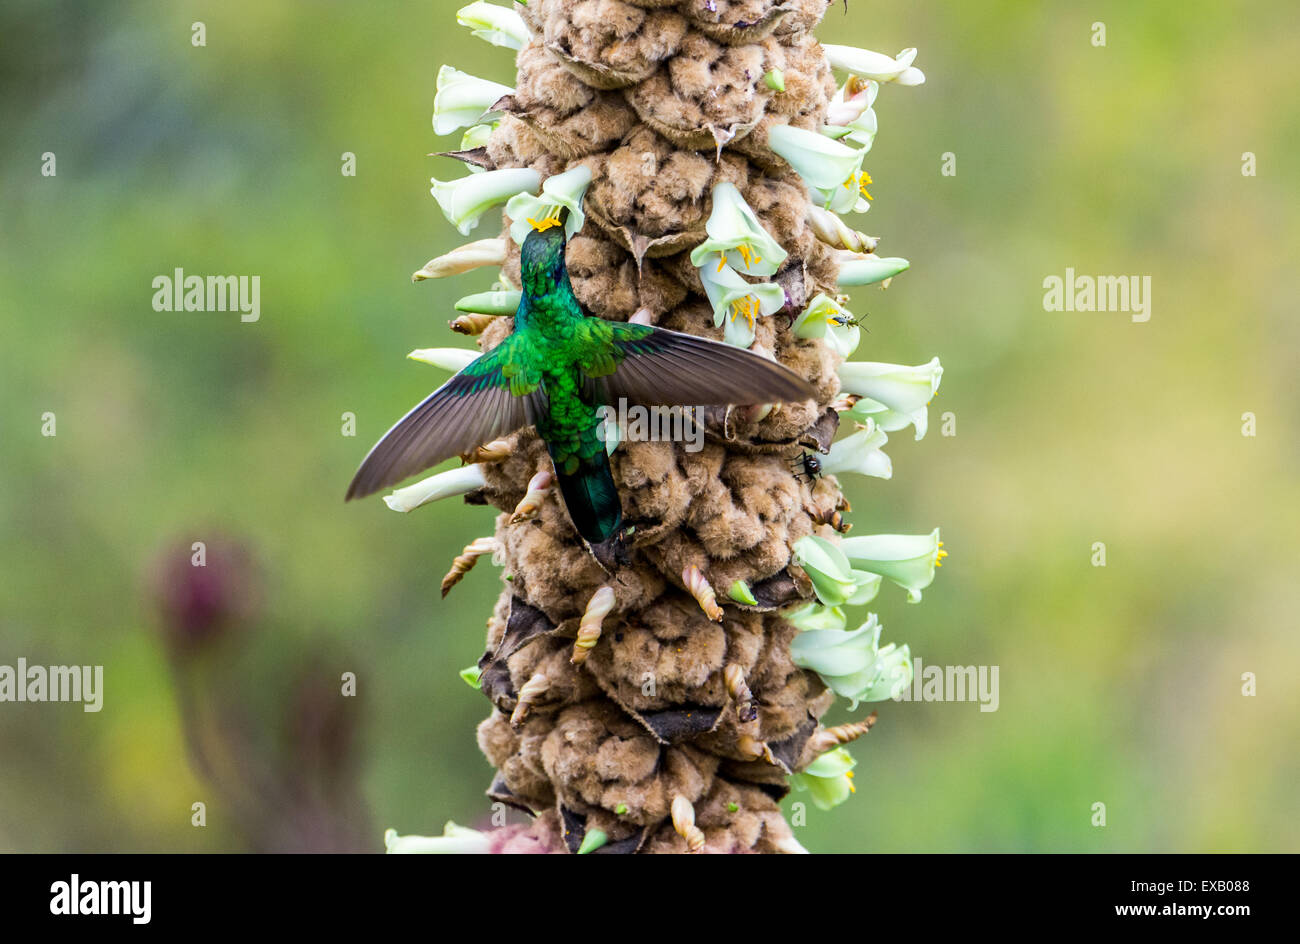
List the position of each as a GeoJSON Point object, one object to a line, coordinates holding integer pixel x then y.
{"type": "Point", "coordinates": [555, 371]}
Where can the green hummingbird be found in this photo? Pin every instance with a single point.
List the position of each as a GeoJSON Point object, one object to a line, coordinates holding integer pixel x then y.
{"type": "Point", "coordinates": [555, 372]}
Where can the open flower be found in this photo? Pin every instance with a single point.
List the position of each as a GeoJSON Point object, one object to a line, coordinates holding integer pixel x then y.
{"type": "Point", "coordinates": [498, 25]}
{"type": "Point", "coordinates": [860, 453]}
{"type": "Point", "coordinates": [735, 233]}
{"type": "Point", "coordinates": [908, 560]}
{"type": "Point", "coordinates": [832, 171]}
{"type": "Point", "coordinates": [858, 268]}
{"type": "Point", "coordinates": [462, 99]}
{"type": "Point", "coordinates": [851, 116]}
{"type": "Point", "coordinates": [738, 304]}
{"type": "Point", "coordinates": [826, 319]}
{"type": "Point", "coordinates": [559, 192]}
{"type": "Point", "coordinates": [834, 580]}
{"type": "Point", "coordinates": [464, 200]}
{"type": "Point", "coordinates": [455, 840]}
{"type": "Point", "coordinates": [853, 664]}
{"type": "Point", "coordinates": [894, 395]}
{"type": "Point", "coordinates": [874, 65]}
{"type": "Point", "coordinates": [829, 779]}
{"type": "Point", "coordinates": [443, 485]}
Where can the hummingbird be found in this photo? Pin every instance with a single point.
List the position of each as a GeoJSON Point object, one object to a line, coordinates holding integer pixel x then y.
{"type": "Point", "coordinates": [555, 372]}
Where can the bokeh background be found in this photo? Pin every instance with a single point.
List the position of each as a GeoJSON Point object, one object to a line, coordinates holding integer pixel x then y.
{"type": "Point", "coordinates": [1119, 685]}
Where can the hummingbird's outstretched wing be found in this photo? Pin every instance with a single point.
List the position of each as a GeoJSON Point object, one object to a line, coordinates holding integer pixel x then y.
{"type": "Point", "coordinates": [657, 367]}
{"type": "Point", "coordinates": [489, 398]}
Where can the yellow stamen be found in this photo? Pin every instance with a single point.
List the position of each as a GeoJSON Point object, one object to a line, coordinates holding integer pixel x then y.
{"type": "Point", "coordinates": [940, 555]}
{"type": "Point", "coordinates": [746, 305]}
{"type": "Point", "coordinates": [749, 256]}
{"type": "Point", "coordinates": [849, 775]}
{"type": "Point", "coordinates": [722, 261]}
{"type": "Point", "coordinates": [552, 219]}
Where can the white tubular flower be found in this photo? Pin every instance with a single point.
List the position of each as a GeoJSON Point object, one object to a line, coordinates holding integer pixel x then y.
{"type": "Point", "coordinates": [860, 453]}
{"type": "Point", "coordinates": [455, 840]}
{"type": "Point", "coordinates": [504, 302]}
{"type": "Point", "coordinates": [816, 616]}
{"type": "Point", "coordinates": [498, 25]}
{"type": "Point", "coordinates": [559, 192]}
{"type": "Point", "coordinates": [824, 318]}
{"type": "Point", "coordinates": [832, 171]}
{"type": "Point", "coordinates": [894, 395]}
{"type": "Point", "coordinates": [454, 359]}
{"type": "Point", "coordinates": [735, 233]}
{"type": "Point", "coordinates": [483, 252]}
{"type": "Point", "coordinates": [853, 664]}
{"type": "Point", "coordinates": [462, 99]}
{"type": "Point", "coordinates": [464, 200]}
{"type": "Point", "coordinates": [908, 560]}
{"type": "Point", "coordinates": [829, 779]}
{"type": "Point", "coordinates": [443, 485]}
{"type": "Point", "coordinates": [851, 116]}
{"type": "Point", "coordinates": [874, 65]}
{"type": "Point", "coordinates": [860, 269]}
{"type": "Point", "coordinates": [738, 304]}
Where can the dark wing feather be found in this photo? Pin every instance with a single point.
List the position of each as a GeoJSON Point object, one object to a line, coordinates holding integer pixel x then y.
{"type": "Point", "coordinates": [658, 367]}
{"type": "Point", "coordinates": [474, 407]}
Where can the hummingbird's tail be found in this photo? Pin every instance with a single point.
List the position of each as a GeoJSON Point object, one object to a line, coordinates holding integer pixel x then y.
{"type": "Point", "coordinates": [591, 497]}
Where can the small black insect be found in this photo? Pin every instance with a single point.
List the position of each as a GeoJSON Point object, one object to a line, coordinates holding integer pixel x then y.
{"type": "Point", "coordinates": [846, 321]}
{"type": "Point", "coordinates": [807, 464]}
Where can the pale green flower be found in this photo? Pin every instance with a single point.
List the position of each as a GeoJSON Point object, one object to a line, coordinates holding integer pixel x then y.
{"type": "Point", "coordinates": [826, 319]}
{"type": "Point", "coordinates": [559, 192]}
{"type": "Point", "coordinates": [874, 65]}
{"type": "Point", "coordinates": [853, 664]}
{"type": "Point", "coordinates": [827, 567]}
{"type": "Point", "coordinates": [504, 302]}
{"type": "Point", "coordinates": [453, 359]}
{"type": "Point", "coordinates": [856, 268]}
{"type": "Point", "coordinates": [738, 304]}
{"type": "Point", "coordinates": [476, 137]}
{"type": "Point", "coordinates": [834, 580]}
{"type": "Point", "coordinates": [498, 25]}
{"type": "Point", "coordinates": [894, 395]}
{"type": "Point", "coordinates": [817, 616]}
{"type": "Point", "coordinates": [464, 200]}
{"type": "Point", "coordinates": [860, 453]}
{"type": "Point", "coordinates": [735, 232]}
{"type": "Point", "coordinates": [832, 171]}
{"type": "Point", "coordinates": [829, 778]}
{"type": "Point", "coordinates": [455, 840]}
{"type": "Point", "coordinates": [908, 560]}
{"type": "Point", "coordinates": [443, 485]}
{"type": "Point", "coordinates": [462, 99]}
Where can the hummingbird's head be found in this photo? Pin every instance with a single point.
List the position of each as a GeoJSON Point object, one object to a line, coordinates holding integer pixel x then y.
{"type": "Point", "coordinates": [541, 265]}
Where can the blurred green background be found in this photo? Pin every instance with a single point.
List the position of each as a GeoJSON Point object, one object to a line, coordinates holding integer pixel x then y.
{"type": "Point", "coordinates": [1119, 685]}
